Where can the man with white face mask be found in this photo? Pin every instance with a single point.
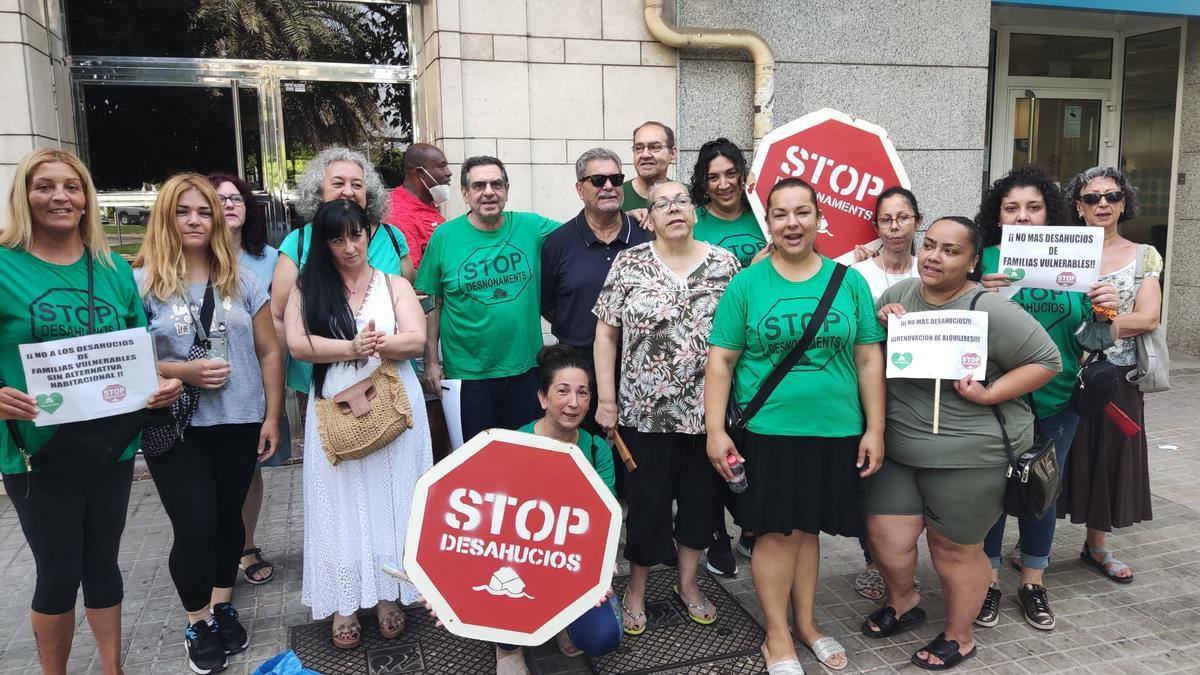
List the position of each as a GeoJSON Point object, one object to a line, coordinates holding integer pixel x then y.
{"type": "Point", "coordinates": [415, 202]}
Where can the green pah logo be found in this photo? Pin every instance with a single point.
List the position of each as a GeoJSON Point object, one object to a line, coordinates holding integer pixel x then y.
{"type": "Point", "coordinates": [1014, 273]}
{"type": "Point", "coordinates": [902, 360]}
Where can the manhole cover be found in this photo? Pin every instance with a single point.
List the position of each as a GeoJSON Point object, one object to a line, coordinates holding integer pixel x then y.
{"type": "Point", "coordinates": [423, 648]}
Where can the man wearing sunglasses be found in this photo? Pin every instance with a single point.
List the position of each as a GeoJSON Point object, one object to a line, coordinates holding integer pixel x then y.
{"type": "Point", "coordinates": [653, 151]}
{"type": "Point", "coordinates": [483, 270]}
{"type": "Point", "coordinates": [576, 257]}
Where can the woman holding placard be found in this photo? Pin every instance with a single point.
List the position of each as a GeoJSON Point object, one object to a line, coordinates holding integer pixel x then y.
{"type": "Point", "coordinates": [1027, 196]}
{"type": "Point", "coordinates": [212, 327]}
{"type": "Point", "coordinates": [950, 484]}
{"type": "Point", "coordinates": [1107, 482]}
{"type": "Point", "coordinates": [54, 257]}
{"type": "Point", "coordinates": [805, 472]}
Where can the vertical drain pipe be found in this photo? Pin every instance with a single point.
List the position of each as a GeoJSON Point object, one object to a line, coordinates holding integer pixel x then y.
{"type": "Point", "coordinates": [681, 37]}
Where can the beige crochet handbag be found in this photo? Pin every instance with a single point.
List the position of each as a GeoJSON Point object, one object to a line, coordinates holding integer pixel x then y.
{"type": "Point", "coordinates": [365, 416]}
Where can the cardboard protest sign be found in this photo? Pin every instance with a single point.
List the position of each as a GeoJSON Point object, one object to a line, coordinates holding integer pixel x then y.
{"type": "Point", "coordinates": [943, 345]}
{"type": "Point", "coordinates": [1053, 258]}
{"type": "Point", "coordinates": [91, 376]}
{"type": "Point", "coordinates": [512, 537]}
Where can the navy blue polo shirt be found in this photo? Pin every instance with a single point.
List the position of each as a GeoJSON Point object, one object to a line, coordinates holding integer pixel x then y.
{"type": "Point", "coordinates": [574, 266]}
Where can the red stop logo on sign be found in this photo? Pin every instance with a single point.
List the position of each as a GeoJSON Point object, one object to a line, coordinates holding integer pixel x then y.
{"type": "Point", "coordinates": [848, 161]}
{"type": "Point", "coordinates": [512, 537]}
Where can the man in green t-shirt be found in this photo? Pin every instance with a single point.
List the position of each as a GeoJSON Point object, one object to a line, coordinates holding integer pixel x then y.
{"type": "Point", "coordinates": [653, 151]}
{"type": "Point", "coordinates": [483, 270]}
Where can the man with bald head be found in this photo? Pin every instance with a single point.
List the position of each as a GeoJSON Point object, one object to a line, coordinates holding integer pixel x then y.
{"type": "Point", "coordinates": [415, 202]}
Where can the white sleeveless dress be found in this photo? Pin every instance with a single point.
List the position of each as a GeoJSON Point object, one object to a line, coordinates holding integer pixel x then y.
{"type": "Point", "coordinates": [356, 513]}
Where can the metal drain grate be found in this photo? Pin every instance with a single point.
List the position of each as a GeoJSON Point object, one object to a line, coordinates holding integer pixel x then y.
{"type": "Point", "coordinates": [674, 644]}
{"type": "Point", "coordinates": [423, 648]}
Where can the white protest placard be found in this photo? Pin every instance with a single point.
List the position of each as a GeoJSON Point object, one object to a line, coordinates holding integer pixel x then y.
{"type": "Point", "coordinates": [1054, 258]}
{"type": "Point", "coordinates": [89, 377]}
{"type": "Point", "coordinates": [943, 345]}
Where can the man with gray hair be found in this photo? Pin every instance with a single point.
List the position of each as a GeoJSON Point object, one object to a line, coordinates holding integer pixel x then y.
{"type": "Point", "coordinates": [576, 257]}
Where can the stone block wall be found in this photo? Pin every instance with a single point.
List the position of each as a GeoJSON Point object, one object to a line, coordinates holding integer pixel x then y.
{"type": "Point", "coordinates": [1183, 268]}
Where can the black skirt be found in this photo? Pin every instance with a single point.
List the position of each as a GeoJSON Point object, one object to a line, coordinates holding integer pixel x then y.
{"type": "Point", "coordinates": [806, 483]}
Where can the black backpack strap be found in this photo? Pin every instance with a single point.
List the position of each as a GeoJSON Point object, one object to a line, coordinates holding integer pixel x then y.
{"type": "Point", "coordinates": [392, 235]}
{"type": "Point", "coordinates": [793, 357]}
{"type": "Point", "coordinates": [300, 247]}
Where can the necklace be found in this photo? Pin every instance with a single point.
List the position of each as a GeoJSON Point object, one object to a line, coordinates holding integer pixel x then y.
{"type": "Point", "coordinates": [352, 289]}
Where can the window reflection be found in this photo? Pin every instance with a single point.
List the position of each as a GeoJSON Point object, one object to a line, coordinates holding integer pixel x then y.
{"type": "Point", "coordinates": [1060, 56]}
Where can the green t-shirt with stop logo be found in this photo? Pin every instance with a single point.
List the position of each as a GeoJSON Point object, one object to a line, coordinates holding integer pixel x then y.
{"type": "Point", "coordinates": [742, 237]}
{"type": "Point", "coordinates": [763, 315]}
{"type": "Point", "coordinates": [490, 285]}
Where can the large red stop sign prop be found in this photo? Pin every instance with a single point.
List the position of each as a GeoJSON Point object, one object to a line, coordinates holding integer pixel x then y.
{"type": "Point", "coordinates": [848, 161]}
{"type": "Point", "coordinates": [512, 537]}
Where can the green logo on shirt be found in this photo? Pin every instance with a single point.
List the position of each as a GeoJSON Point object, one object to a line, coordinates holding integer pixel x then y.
{"type": "Point", "coordinates": [781, 327]}
{"type": "Point", "coordinates": [743, 246]}
{"type": "Point", "coordinates": [495, 274]}
{"type": "Point", "coordinates": [63, 312]}
{"type": "Point", "coordinates": [1045, 304]}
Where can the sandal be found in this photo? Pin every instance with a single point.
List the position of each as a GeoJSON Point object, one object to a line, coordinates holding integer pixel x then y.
{"type": "Point", "coordinates": [788, 667]}
{"type": "Point", "coordinates": [885, 620]}
{"type": "Point", "coordinates": [347, 635]}
{"type": "Point", "coordinates": [566, 647]}
{"type": "Point", "coordinates": [869, 584]}
{"type": "Point", "coordinates": [946, 650]}
{"type": "Point", "coordinates": [391, 624]}
{"type": "Point", "coordinates": [256, 567]}
{"type": "Point", "coordinates": [637, 628]}
{"type": "Point", "coordinates": [825, 649]}
{"type": "Point", "coordinates": [704, 618]}
{"type": "Point", "coordinates": [1103, 565]}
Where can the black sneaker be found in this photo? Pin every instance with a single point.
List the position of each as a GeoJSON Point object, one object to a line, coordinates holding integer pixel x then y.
{"type": "Point", "coordinates": [720, 558]}
{"type": "Point", "coordinates": [745, 546]}
{"type": "Point", "coordinates": [233, 635]}
{"type": "Point", "coordinates": [203, 646]}
{"type": "Point", "coordinates": [989, 615]}
{"type": "Point", "coordinates": [1036, 606]}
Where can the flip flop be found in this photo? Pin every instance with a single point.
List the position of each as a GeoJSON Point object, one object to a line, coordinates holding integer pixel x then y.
{"type": "Point", "coordinates": [1102, 565]}
{"type": "Point", "coordinates": [825, 649]}
{"type": "Point", "coordinates": [348, 635]}
{"type": "Point", "coordinates": [638, 629]}
{"type": "Point", "coordinates": [703, 609]}
{"type": "Point", "coordinates": [885, 619]}
{"type": "Point", "coordinates": [946, 650]}
{"type": "Point", "coordinates": [788, 667]}
{"type": "Point", "coordinates": [869, 584]}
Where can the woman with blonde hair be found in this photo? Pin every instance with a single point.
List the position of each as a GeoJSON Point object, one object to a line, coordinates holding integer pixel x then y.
{"type": "Point", "coordinates": [52, 251]}
{"type": "Point", "coordinates": [212, 327]}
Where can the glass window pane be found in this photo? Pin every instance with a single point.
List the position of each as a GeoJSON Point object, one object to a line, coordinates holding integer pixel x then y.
{"type": "Point", "coordinates": [1063, 137]}
{"type": "Point", "coordinates": [269, 30]}
{"type": "Point", "coordinates": [1060, 56]}
{"type": "Point", "coordinates": [1148, 129]}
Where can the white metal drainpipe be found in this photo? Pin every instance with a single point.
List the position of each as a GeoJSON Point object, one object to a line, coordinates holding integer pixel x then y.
{"type": "Point", "coordinates": [728, 38]}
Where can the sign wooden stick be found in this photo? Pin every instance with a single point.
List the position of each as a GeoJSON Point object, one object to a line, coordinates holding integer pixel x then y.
{"type": "Point", "coordinates": [937, 403]}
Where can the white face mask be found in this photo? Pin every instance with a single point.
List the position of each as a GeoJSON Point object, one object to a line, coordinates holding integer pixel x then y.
{"type": "Point", "coordinates": [440, 192]}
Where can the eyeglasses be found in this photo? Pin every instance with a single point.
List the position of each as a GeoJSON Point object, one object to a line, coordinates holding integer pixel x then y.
{"type": "Point", "coordinates": [481, 185]}
{"type": "Point", "coordinates": [1093, 198]}
{"type": "Point", "coordinates": [236, 200]}
{"type": "Point", "coordinates": [662, 205]}
{"type": "Point", "coordinates": [654, 148]}
{"type": "Point", "coordinates": [903, 220]}
{"type": "Point", "coordinates": [599, 179]}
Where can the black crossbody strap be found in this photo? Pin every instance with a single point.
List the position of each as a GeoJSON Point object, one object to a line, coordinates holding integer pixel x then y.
{"type": "Point", "coordinates": [1012, 460]}
{"type": "Point", "coordinates": [793, 357]}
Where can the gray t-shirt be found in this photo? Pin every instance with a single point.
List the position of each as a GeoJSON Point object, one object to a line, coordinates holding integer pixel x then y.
{"type": "Point", "coordinates": [968, 434]}
{"type": "Point", "coordinates": [241, 400]}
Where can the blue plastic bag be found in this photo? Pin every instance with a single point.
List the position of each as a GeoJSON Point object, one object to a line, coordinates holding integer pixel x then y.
{"type": "Point", "coordinates": [286, 663]}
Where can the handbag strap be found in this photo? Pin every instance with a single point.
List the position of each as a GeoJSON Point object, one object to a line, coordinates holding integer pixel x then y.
{"type": "Point", "coordinates": [1012, 460]}
{"type": "Point", "coordinates": [211, 311]}
{"type": "Point", "coordinates": [793, 357]}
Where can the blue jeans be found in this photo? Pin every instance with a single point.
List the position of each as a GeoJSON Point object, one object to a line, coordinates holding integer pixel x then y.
{"type": "Point", "coordinates": [1037, 535]}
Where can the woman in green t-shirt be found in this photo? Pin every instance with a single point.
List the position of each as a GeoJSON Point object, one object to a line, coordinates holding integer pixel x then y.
{"type": "Point", "coordinates": [805, 471]}
{"type": "Point", "coordinates": [723, 215]}
{"type": "Point", "coordinates": [950, 485]}
{"type": "Point", "coordinates": [1027, 196]}
{"type": "Point", "coordinates": [52, 247]}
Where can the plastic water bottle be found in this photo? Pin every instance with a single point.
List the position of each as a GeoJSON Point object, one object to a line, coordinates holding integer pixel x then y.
{"type": "Point", "coordinates": [739, 482]}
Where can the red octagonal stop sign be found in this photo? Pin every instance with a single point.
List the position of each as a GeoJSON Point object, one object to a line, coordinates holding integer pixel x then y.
{"type": "Point", "coordinates": [512, 537]}
{"type": "Point", "coordinates": [848, 161]}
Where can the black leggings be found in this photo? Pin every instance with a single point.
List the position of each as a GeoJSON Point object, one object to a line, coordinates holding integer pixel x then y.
{"type": "Point", "coordinates": [74, 536]}
{"type": "Point", "coordinates": [202, 482]}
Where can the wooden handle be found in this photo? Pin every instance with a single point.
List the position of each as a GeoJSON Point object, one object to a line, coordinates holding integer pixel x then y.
{"type": "Point", "coordinates": [623, 451]}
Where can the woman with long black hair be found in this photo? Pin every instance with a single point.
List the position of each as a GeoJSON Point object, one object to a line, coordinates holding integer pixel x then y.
{"type": "Point", "coordinates": [347, 319]}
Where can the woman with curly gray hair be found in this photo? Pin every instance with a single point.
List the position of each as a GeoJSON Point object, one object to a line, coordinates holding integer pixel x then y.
{"type": "Point", "coordinates": [1106, 483]}
{"type": "Point", "coordinates": [334, 173]}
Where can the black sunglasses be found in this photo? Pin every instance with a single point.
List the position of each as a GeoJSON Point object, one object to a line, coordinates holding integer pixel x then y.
{"type": "Point", "coordinates": [1093, 198]}
{"type": "Point", "coordinates": [599, 179]}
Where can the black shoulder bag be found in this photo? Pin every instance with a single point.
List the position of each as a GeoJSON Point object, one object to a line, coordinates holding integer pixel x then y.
{"type": "Point", "coordinates": [1034, 477]}
{"type": "Point", "coordinates": [736, 418]}
{"type": "Point", "coordinates": [80, 452]}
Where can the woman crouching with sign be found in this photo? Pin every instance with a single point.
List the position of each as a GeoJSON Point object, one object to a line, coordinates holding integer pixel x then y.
{"type": "Point", "coordinates": [797, 332]}
{"type": "Point", "coordinates": [365, 444]}
{"type": "Point", "coordinates": [212, 328]}
{"type": "Point", "coordinates": [951, 484]}
{"type": "Point", "coordinates": [54, 262]}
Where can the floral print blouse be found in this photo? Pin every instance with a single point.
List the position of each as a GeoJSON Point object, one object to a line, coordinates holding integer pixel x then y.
{"type": "Point", "coordinates": [1124, 351]}
{"type": "Point", "coordinates": [665, 322]}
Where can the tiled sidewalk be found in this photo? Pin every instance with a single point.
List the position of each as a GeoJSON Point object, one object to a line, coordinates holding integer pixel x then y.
{"type": "Point", "coordinates": [1151, 626]}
